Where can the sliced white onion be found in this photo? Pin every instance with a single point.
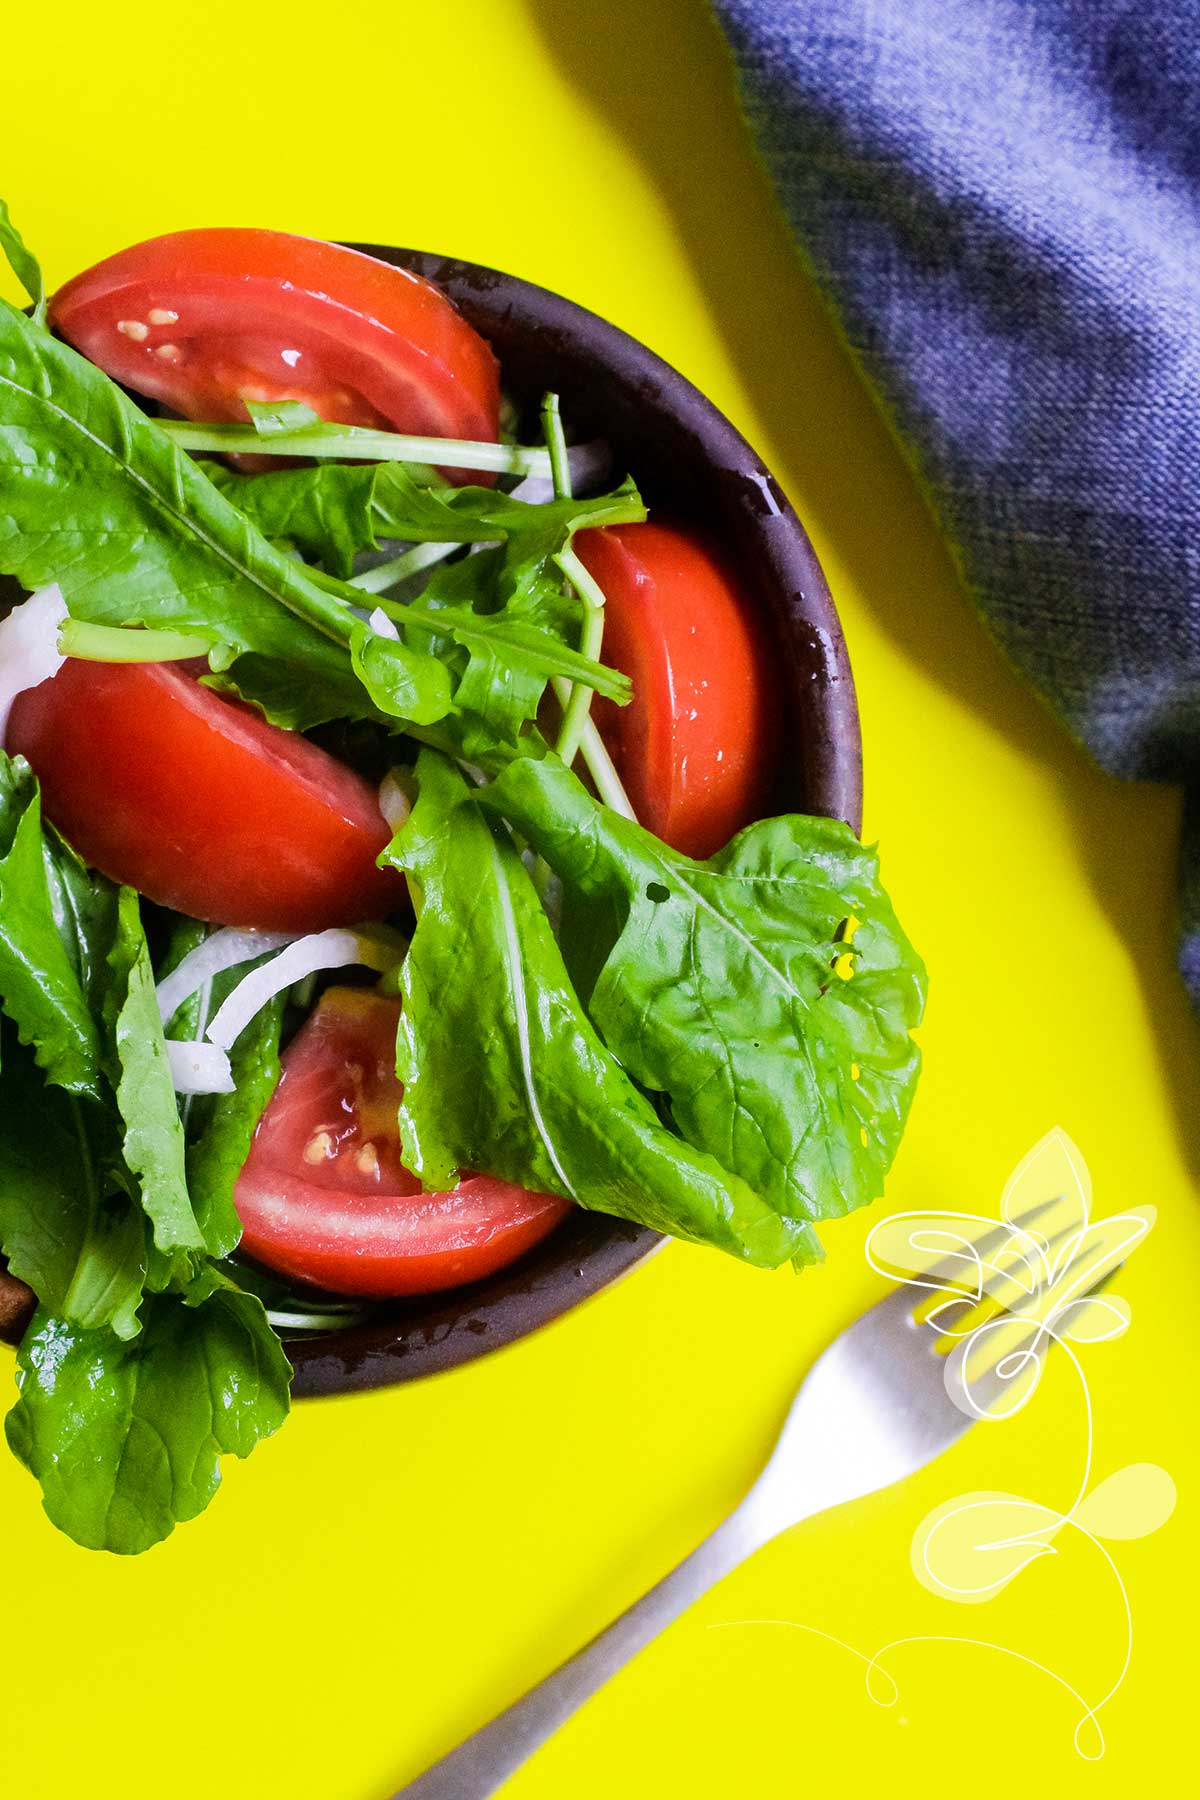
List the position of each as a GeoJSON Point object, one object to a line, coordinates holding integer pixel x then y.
{"type": "Point", "coordinates": [332, 949]}
{"type": "Point", "coordinates": [381, 625]}
{"type": "Point", "coordinates": [535, 489]}
{"type": "Point", "coordinates": [225, 949]}
{"type": "Point", "coordinates": [590, 465]}
{"type": "Point", "coordinates": [198, 1068]}
{"type": "Point", "coordinates": [394, 803]}
{"type": "Point", "coordinates": [29, 652]}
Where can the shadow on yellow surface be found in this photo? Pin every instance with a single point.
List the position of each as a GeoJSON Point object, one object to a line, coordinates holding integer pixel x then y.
{"type": "Point", "coordinates": [657, 74]}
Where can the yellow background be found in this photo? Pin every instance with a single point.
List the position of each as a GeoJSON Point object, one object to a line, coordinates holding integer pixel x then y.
{"type": "Point", "coordinates": [394, 1568]}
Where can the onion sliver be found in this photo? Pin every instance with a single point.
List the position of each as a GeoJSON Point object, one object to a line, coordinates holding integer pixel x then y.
{"type": "Point", "coordinates": [332, 949]}
{"type": "Point", "coordinates": [382, 626]}
{"type": "Point", "coordinates": [198, 1068]}
{"type": "Point", "coordinates": [225, 949]}
{"type": "Point", "coordinates": [394, 803]}
{"type": "Point", "coordinates": [29, 652]}
{"type": "Point", "coordinates": [590, 464]}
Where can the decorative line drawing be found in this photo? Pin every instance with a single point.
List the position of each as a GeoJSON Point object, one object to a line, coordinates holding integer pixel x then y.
{"type": "Point", "coordinates": [1001, 1292]}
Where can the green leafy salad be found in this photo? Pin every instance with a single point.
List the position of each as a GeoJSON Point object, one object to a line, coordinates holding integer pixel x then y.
{"type": "Point", "coordinates": [716, 1048]}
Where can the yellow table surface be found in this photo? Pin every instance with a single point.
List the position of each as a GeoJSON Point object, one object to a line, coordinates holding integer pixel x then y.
{"type": "Point", "coordinates": [394, 1568]}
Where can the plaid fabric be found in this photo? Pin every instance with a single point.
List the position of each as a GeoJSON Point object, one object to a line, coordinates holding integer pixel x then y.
{"type": "Point", "coordinates": [1001, 199]}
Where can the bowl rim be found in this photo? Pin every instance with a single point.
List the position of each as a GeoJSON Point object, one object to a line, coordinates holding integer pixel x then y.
{"type": "Point", "coordinates": [440, 1332]}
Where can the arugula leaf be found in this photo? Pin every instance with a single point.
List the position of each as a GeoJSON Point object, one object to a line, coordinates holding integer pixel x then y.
{"type": "Point", "coordinates": [295, 698]}
{"type": "Point", "coordinates": [219, 1127]}
{"type": "Point", "coordinates": [23, 263]}
{"type": "Point", "coordinates": [191, 1016]}
{"type": "Point", "coordinates": [84, 904]}
{"type": "Point", "coordinates": [40, 986]}
{"type": "Point", "coordinates": [739, 988]}
{"type": "Point", "coordinates": [99, 499]}
{"type": "Point", "coordinates": [338, 510]}
{"type": "Point", "coordinates": [514, 646]}
{"type": "Point", "coordinates": [492, 703]}
{"type": "Point", "coordinates": [530, 594]}
{"type": "Point", "coordinates": [504, 649]}
{"type": "Point", "coordinates": [76, 980]}
{"type": "Point", "coordinates": [281, 418]}
{"type": "Point", "coordinates": [398, 677]}
{"type": "Point", "coordinates": [326, 511]}
{"type": "Point", "coordinates": [66, 1229]}
{"type": "Point", "coordinates": [501, 1068]}
{"type": "Point", "coordinates": [485, 660]}
{"type": "Point", "coordinates": [125, 1439]}
{"type": "Point", "coordinates": [227, 1122]}
{"type": "Point", "coordinates": [81, 1180]}
{"type": "Point", "coordinates": [153, 1137]}
{"type": "Point", "coordinates": [510, 611]}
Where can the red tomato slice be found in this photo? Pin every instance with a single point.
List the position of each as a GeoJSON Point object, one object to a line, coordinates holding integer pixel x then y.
{"type": "Point", "coordinates": [205, 320]}
{"type": "Point", "coordinates": [324, 1197]}
{"type": "Point", "coordinates": [199, 803]}
{"type": "Point", "coordinates": [696, 746]}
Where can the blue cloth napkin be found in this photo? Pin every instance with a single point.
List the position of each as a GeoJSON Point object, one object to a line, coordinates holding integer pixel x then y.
{"type": "Point", "coordinates": [1001, 198]}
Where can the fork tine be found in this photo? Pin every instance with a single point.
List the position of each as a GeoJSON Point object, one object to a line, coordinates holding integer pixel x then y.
{"type": "Point", "coordinates": [1000, 1292]}
{"type": "Point", "coordinates": [951, 1266]}
{"type": "Point", "coordinates": [1007, 1230]}
{"type": "Point", "coordinates": [984, 1385]}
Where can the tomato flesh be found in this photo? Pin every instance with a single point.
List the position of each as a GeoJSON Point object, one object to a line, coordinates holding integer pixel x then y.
{"type": "Point", "coordinates": [199, 803]}
{"type": "Point", "coordinates": [696, 747]}
{"type": "Point", "coordinates": [205, 320]}
{"type": "Point", "coordinates": [324, 1197]}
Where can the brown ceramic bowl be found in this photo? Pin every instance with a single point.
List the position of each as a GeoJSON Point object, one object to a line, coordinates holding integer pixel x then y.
{"type": "Point", "coordinates": [688, 460]}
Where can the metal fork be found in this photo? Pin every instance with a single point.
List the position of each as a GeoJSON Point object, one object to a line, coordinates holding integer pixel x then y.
{"type": "Point", "coordinates": [872, 1409]}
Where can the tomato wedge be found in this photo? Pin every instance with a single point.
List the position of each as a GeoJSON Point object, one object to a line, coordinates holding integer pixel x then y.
{"type": "Point", "coordinates": [205, 320]}
{"type": "Point", "coordinates": [324, 1198]}
{"type": "Point", "coordinates": [696, 747]}
{"type": "Point", "coordinates": [201, 805]}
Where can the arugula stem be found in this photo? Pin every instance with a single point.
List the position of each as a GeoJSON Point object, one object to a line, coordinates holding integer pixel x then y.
{"type": "Point", "coordinates": [601, 767]}
{"type": "Point", "coordinates": [595, 753]}
{"type": "Point", "coordinates": [556, 444]}
{"type": "Point", "coordinates": [579, 701]}
{"type": "Point", "coordinates": [127, 644]}
{"type": "Point", "coordinates": [573, 698]}
{"type": "Point", "coordinates": [603, 771]}
{"type": "Point", "coordinates": [560, 471]}
{"type": "Point", "coordinates": [387, 574]}
{"type": "Point", "coordinates": [585, 585]}
{"type": "Point", "coordinates": [357, 444]}
{"type": "Point", "coordinates": [575, 713]}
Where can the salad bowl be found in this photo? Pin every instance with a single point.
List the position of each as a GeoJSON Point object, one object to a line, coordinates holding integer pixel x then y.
{"type": "Point", "coordinates": [691, 465]}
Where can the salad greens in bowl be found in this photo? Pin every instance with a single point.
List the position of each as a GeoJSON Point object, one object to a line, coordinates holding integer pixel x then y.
{"type": "Point", "coordinates": [400, 930]}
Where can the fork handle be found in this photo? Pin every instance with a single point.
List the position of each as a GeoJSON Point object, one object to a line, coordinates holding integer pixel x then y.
{"type": "Point", "coordinates": [485, 1760]}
